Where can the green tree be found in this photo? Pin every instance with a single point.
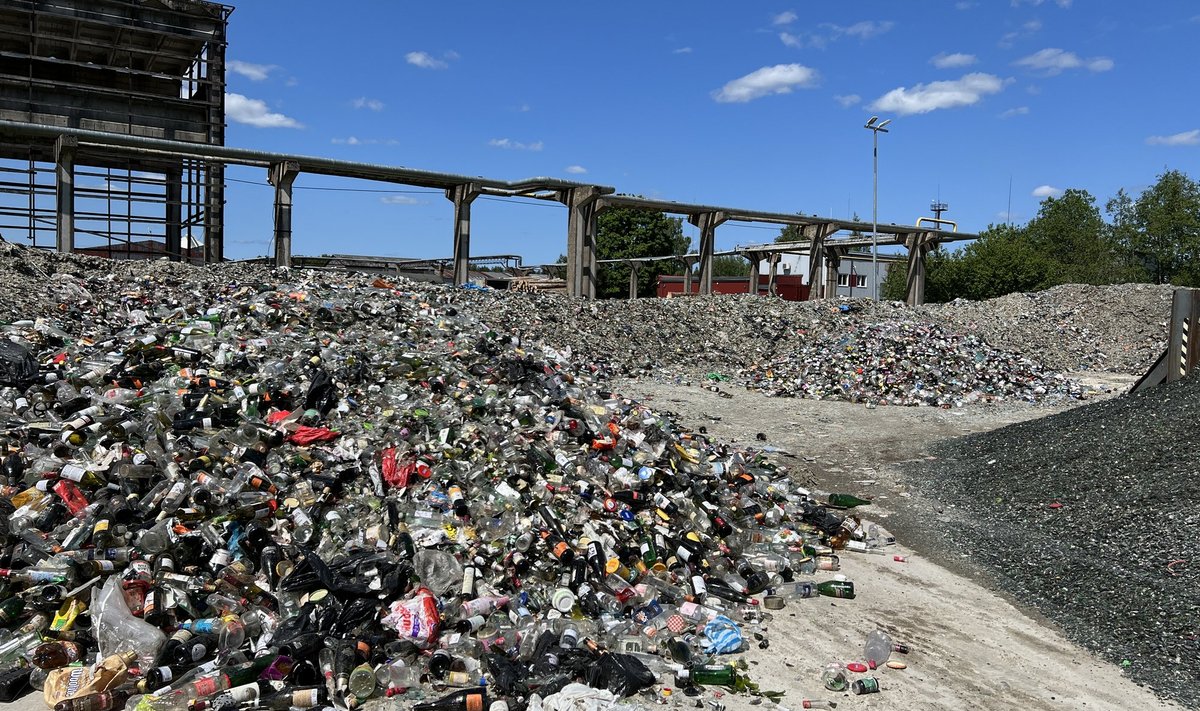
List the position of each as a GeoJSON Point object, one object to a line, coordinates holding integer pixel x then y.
{"type": "Point", "coordinates": [730, 265]}
{"type": "Point", "coordinates": [789, 233]}
{"type": "Point", "coordinates": [1077, 246]}
{"type": "Point", "coordinates": [943, 271]}
{"type": "Point", "coordinates": [1163, 228]}
{"type": "Point", "coordinates": [624, 233]}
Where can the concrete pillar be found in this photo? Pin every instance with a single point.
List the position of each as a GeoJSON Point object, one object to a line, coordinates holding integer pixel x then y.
{"type": "Point", "coordinates": [174, 212]}
{"type": "Point", "coordinates": [64, 158]}
{"type": "Point", "coordinates": [282, 175]}
{"type": "Point", "coordinates": [816, 274]}
{"type": "Point", "coordinates": [833, 259]}
{"type": "Point", "coordinates": [773, 261]}
{"type": "Point", "coordinates": [707, 222]}
{"type": "Point", "coordinates": [462, 196]}
{"type": "Point", "coordinates": [816, 257]}
{"type": "Point", "coordinates": [919, 244]}
{"type": "Point", "coordinates": [634, 268]}
{"type": "Point", "coordinates": [754, 258]}
{"type": "Point", "coordinates": [214, 213]}
{"type": "Point", "coordinates": [581, 239]}
{"type": "Point", "coordinates": [689, 261]}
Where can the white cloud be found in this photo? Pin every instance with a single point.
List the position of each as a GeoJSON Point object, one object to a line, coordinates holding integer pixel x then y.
{"type": "Point", "coordinates": [847, 100]}
{"type": "Point", "coordinates": [1044, 191]}
{"type": "Point", "coordinates": [576, 169]}
{"type": "Point", "coordinates": [923, 98]}
{"type": "Point", "coordinates": [682, 50]}
{"type": "Point", "coordinates": [424, 60]}
{"type": "Point", "coordinates": [1017, 111]}
{"type": "Point", "coordinates": [779, 79]}
{"type": "Point", "coordinates": [1064, 4]}
{"type": "Point", "coordinates": [400, 200]}
{"type": "Point", "coordinates": [1027, 29]}
{"type": "Point", "coordinates": [254, 112]}
{"type": "Point", "coordinates": [953, 61]}
{"type": "Point", "coordinates": [791, 40]}
{"type": "Point", "coordinates": [515, 145]}
{"type": "Point", "coordinates": [363, 102]}
{"type": "Point", "coordinates": [784, 18]}
{"type": "Point", "coordinates": [1187, 138]}
{"type": "Point", "coordinates": [864, 30]}
{"type": "Point", "coordinates": [1052, 61]}
{"type": "Point", "coordinates": [964, 5]}
{"type": "Point", "coordinates": [253, 72]}
{"type": "Point", "coordinates": [356, 141]}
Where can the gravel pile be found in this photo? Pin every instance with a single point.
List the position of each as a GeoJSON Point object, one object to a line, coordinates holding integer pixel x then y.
{"type": "Point", "coordinates": [1119, 329]}
{"type": "Point", "coordinates": [1092, 516]}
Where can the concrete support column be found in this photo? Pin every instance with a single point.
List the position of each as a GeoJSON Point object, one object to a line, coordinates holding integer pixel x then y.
{"type": "Point", "coordinates": [634, 268]}
{"type": "Point", "coordinates": [773, 262]}
{"type": "Point", "coordinates": [581, 239]}
{"type": "Point", "coordinates": [707, 222]}
{"type": "Point", "coordinates": [689, 262]}
{"type": "Point", "coordinates": [282, 175]}
{"type": "Point", "coordinates": [462, 196]}
{"type": "Point", "coordinates": [816, 257]}
{"type": "Point", "coordinates": [174, 213]}
{"type": "Point", "coordinates": [816, 274]}
{"type": "Point", "coordinates": [214, 213]}
{"type": "Point", "coordinates": [919, 245]}
{"type": "Point", "coordinates": [755, 258]}
{"type": "Point", "coordinates": [833, 260]}
{"type": "Point", "coordinates": [64, 158]}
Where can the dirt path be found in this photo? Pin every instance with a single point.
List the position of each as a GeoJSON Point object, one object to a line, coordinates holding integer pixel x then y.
{"type": "Point", "coordinates": [972, 648]}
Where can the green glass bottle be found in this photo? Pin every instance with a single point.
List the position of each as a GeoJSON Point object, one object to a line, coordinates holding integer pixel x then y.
{"type": "Point", "coordinates": [846, 501]}
{"type": "Point", "coordinates": [11, 609]}
{"type": "Point", "coordinates": [709, 675]}
{"type": "Point", "coordinates": [836, 588]}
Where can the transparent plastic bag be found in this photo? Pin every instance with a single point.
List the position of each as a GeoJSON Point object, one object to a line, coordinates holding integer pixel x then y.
{"type": "Point", "coordinates": [117, 630]}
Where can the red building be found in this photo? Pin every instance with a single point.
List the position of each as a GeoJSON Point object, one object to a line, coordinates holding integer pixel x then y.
{"type": "Point", "coordinates": [787, 287]}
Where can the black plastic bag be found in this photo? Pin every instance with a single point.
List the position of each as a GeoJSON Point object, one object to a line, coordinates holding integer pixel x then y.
{"type": "Point", "coordinates": [17, 365]}
{"type": "Point", "coordinates": [626, 674]}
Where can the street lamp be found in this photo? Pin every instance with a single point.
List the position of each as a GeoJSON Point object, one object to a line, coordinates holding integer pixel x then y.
{"type": "Point", "coordinates": [876, 129]}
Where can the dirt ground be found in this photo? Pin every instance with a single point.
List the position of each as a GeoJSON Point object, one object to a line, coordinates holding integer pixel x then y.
{"type": "Point", "coordinates": [971, 646]}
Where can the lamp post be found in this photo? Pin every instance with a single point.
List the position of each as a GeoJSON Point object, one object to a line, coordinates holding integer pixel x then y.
{"type": "Point", "coordinates": [876, 129]}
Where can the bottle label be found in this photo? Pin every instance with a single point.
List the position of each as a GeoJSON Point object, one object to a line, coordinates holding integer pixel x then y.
{"type": "Point", "coordinates": [305, 699]}
{"type": "Point", "coordinates": [206, 686]}
{"type": "Point", "coordinates": [474, 702]}
{"type": "Point", "coordinates": [73, 473]}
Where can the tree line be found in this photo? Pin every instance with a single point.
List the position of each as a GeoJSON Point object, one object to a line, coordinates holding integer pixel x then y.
{"type": "Point", "coordinates": [1153, 238]}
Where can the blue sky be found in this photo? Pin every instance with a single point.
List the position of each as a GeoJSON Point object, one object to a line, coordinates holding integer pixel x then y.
{"type": "Point", "coordinates": [754, 105]}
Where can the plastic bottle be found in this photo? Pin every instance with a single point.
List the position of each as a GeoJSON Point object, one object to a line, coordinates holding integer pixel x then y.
{"type": "Point", "coordinates": [878, 647]}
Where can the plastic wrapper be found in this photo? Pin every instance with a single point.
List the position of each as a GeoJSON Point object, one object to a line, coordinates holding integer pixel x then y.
{"type": "Point", "coordinates": [416, 619]}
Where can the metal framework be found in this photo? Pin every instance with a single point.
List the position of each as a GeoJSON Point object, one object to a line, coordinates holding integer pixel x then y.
{"type": "Point", "coordinates": [151, 68]}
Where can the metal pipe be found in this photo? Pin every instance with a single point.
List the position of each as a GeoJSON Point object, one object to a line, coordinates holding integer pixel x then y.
{"type": "Point", "coordinates": [308, 164]}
